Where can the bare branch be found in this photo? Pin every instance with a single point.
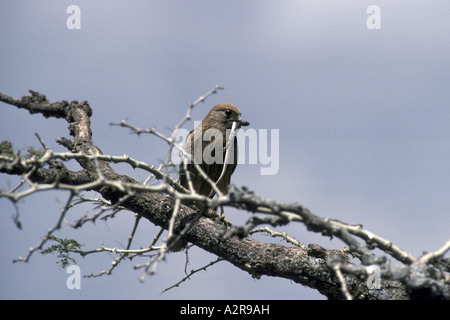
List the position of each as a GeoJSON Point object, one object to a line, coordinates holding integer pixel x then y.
{"type": "Point", "coordinates": [340, 276]}
{"type": "Point", "coordinates": [275, 234]}
{"type": "Point", "coordinates": [164, 206]}
{"type": "Point", "coordinates": [191, 274]}
{"type": "Point", "coordinates": [426, 258]}
{"type": "Point", "coordinates": [49, 233]}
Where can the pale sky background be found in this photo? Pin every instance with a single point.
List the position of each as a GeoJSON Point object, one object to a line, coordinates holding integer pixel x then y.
{"type": "Point", "coordinates": [363, 117]}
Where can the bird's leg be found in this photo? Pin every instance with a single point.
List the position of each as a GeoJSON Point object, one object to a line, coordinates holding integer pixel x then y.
{"type": "Point", "coordinates": [210, 213]}
{"type": "Point", "coordinates": [223, 219]}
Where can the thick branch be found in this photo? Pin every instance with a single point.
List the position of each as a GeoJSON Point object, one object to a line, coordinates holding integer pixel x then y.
{"type": "Point", "coordinates": [307, 266]}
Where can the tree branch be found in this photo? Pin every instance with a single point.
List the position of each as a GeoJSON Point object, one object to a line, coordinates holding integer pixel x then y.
{"type": "Point", "coordinates": [164, 206]}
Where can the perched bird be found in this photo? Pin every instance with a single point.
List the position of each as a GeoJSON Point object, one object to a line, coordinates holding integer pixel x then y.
{"type": "Point", "coordinates": [211, 150]}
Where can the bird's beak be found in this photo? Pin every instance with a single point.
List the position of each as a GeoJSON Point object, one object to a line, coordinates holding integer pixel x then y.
{"type": "Point", "coordinates": [242, 123]}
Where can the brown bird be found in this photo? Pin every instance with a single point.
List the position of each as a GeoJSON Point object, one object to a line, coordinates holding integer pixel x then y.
{"type": "Point", "coordinates": [208, 146]}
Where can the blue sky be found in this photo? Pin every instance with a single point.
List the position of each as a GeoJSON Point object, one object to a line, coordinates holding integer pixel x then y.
{"type": "Point", "coordinates": [362, 116]}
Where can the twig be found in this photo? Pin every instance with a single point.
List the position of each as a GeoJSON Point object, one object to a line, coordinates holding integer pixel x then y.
{"type": "Point", "coordinates": [275, 234]}
{"type": "Point", "coordinates": [245, 199]}
{"type": "Point", "coordinates": [191, 274]}
{"type": "Point", "coordinates": [340, 276]}
{"type": "Point", "coordinates": [133, 232]}
{"type": "Point", "coordinates": [49, 232]}
{"type": "Point", "coordinates": [426, 258]}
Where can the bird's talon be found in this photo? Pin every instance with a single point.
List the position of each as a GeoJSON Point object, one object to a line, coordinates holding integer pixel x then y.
{"type": "Point", "coordinates": [225, 221]}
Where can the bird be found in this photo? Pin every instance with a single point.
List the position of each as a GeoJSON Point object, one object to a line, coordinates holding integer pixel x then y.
{"type": "Point", "coordinates": [208, 146]}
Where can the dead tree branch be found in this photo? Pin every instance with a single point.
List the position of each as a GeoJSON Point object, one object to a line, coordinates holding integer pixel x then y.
{"type": "Point", "coordinates": [331, 272]}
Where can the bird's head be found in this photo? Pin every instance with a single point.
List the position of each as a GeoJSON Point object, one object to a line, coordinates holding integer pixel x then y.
{"type": "Point", "coordinates": [222, 117]}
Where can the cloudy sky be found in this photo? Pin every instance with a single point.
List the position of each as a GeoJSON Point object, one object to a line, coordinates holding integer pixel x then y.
{"type": "Point", "coordinates": [363, 119]}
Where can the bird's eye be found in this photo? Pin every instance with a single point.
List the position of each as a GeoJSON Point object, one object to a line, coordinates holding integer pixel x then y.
{"type": "Point", "coordinates": [228, 113]}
